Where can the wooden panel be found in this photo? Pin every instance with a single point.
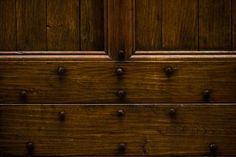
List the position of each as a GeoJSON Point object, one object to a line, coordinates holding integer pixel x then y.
{"type": "Point", "coordinates": [7, 25]}
{"type": "Point", "coordinates": [92, 25]}
{"type": "Point", "coordinates": [148, 24]}
{"type": "Point", "coordinates": [120, 35]}
{"type": "Point", "coordinates": [31, 25]}
{"type": "Point", "coordinates": [234, 25]}
{"type": "Point", "coordinates": [215, 24]}
{"type": "Point", "coordinates": [144, 81]}
{"type": "Point", "coordinates": [97, 130]}
{"type": "Point", "coordinates": [180, 24]}
{"type": "Point", "coordinates": [63, 25]}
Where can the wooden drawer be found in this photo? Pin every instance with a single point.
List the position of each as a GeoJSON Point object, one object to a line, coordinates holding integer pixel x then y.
{"type": "Point", "coordinates": [35, 79]}
{"type": "Point", "coordinates": [100, 129]}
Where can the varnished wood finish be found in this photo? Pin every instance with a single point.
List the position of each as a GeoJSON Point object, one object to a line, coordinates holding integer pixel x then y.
{"type": "Point", "coordinates": [7, 25]}
{"type": "Point", "coordinates": [144, 80]}
{"type": "Point", "coordinates": [233, 24]}
{"type": "Point", "coordinates": [63, 25]}
{"type": "Point", "coordinates": [97, 130]}
{"type": "Point", "coordinates": [180, 24]}
{"type": "Point", "coordinates": [54, 25]}
{"type": "Point", "coordinates": [148, 26]}
{"type": "Point", "coordinates": [92, 25]}
{"type": "Point", "coordinates": [31, 25]}
{"type": "Point", "coordinates": [120, 33]}
{"type": "Point", "coordinates": [215, 24]}
{"type": "Point", "coordinates": [83, 77]}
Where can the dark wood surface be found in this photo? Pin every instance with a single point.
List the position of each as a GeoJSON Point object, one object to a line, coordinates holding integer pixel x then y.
{"type": "Point", "coordinates": [79, 25]}
{"type": "Point", "coordinates": [98, 129]}
{"type": "Point", "coordinates": [215, 24]}
{"type": "Point", "coordinates": [7, 25]}
{"type": "Point", "coordinates": [117, 53]}
{"type": "Point", "coordinates": [31, 25]}
{"type": "Point", "coordinates": [144, 80]}
{"type": "Point", "coordinates": [120, 24]}
{"type": "Point", "coordinates": [180, 24]}
{"type": "Point", "coordinates": [58, 25]}
{"type": "Point", "coordinates": [63, 25]}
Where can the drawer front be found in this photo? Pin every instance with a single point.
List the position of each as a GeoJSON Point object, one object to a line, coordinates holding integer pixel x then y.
{"type": "Point", "coordinates": [166, 79]}
{"type": "Point", "coordinates": [73, 130]}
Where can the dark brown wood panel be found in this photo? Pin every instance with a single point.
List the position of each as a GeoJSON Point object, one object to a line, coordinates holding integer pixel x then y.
{"type": "Point", "coordinates": [63, 25]}
{"type": "Point", "coordinates": [180, 24]}
{"type": "Point", "coordinates": [7, 25]}
{"type": "Point", "coordinates": [99, 129]}
{"type": "Point", "coordinates": [119, 24]}
{"type": "Point", "coordinates": [215, 25]}
{"type": "Point", "coordinates": [233, 24]}
{"type": "Point", "coordinates": [148, 25]}
{"type": "Point", "coordinates": [176, 79]}
{"type": "Point", "coordinates": [31, 25]}
{"type": "Point", "coordinates": [92, 25]}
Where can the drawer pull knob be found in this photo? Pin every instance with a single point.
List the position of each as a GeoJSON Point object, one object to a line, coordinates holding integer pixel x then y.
{"type": "Point", "coordinates": [120, 113]}
{"type": "Point", "coordinates": [121, 94]}
{"type": "Point", "coordinates": [61, 71]}
{"type": "Point", "coordinates": [206, 95]}
{"type": "Point", "coordinates": [23, 95]}
{"type": "Point", "coordinates": [172, 113]}
{"type": "Point", "coordinates": [120, 71]}
{"type": "Point", "coordinates": [30, 147]}
{"type": "Point", "coordinates": [62, 116]}
{"type": "Point", "coordinates": [122, 147]}
{"type": "Point", "coordinates": [169, 71]}
{"type": "Point", "coordinates": [121, 55]}
{"type": "Point", "coordinates": [213, 148]}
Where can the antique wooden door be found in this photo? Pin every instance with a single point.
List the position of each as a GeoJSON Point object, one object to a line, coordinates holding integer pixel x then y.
{"type": "Point", "coordinates": [117, 77]}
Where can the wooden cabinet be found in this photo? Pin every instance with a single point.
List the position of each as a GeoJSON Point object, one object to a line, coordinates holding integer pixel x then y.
{"type": "Point", "coordinates": [117, 77]}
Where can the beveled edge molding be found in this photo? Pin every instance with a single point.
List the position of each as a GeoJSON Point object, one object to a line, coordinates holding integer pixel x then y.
{"type": "Point", "coordinates": [127, 104]}
{"type": "Point", "coordinates": [53, 53]}
{"type": "Point", "coordinates": [144, 56]}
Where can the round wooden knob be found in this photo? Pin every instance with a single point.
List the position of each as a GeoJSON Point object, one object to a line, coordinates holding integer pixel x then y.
{"type": "Point", "coordinates": [169, 71]}
{"type": "Point", "coordinates": [206, 95]}
{"type": "Point", "coordinates": [30, 147]}
{"type": "Point", "coordinates": [172, 112]}
{"type": "Point", "coordinates": [213, 148]}
{"type": "Point", "coordinates": [122, 147]}
{"type": "Point", "coordinates": [121, 55]}
{"type": "Point", "coordinates": [61, 71]}
{"type": "Point", "coordinates": [121, 94]}
{"type": "Point", "coordinates": [120, 113]}
{"type": "Point", "coordinates": [62, 115]}
{"type": "Point", "coordinates": [120, 71]}
{"type": "Point", "coordinates": [23, 96]}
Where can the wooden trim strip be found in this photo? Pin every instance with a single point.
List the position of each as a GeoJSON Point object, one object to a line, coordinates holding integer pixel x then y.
{"type": "Point", "coordinates": [120, 28]}
{"type": "Point", "coordinates": [52, 53]}
{"type": "Point", "coordinates": [184, 52]}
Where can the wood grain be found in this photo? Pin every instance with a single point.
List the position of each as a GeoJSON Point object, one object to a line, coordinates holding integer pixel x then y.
{"type": "Point", "coordinates": [120, 35]}
{"type": "Point", "coordinates": [233, 25]}
{"type": "Point", "coordinates": [92, 25]}
{"type": "Point", "coordinates": [215, 25]}
{"type": "Point", "coordinates": [31, 25]}
{"type": "Point", "coordinates": [63, 21]}
{"type": "Point", "coordinates": [144, 80]}
{"type": "Point", "coordinates": [97, 130]}
{"type": "Point", "coordinates": [7, 25]}
{"type": "Point", "coordinates": [148, 26]}
{"type": "Point", "coordinates": [180, 25]}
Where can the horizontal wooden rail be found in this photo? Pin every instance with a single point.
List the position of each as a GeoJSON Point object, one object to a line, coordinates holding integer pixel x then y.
{"type": "Point", "coordinates": [70, 130]}
{"type": "Point", "coordinates": [88, 79]}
